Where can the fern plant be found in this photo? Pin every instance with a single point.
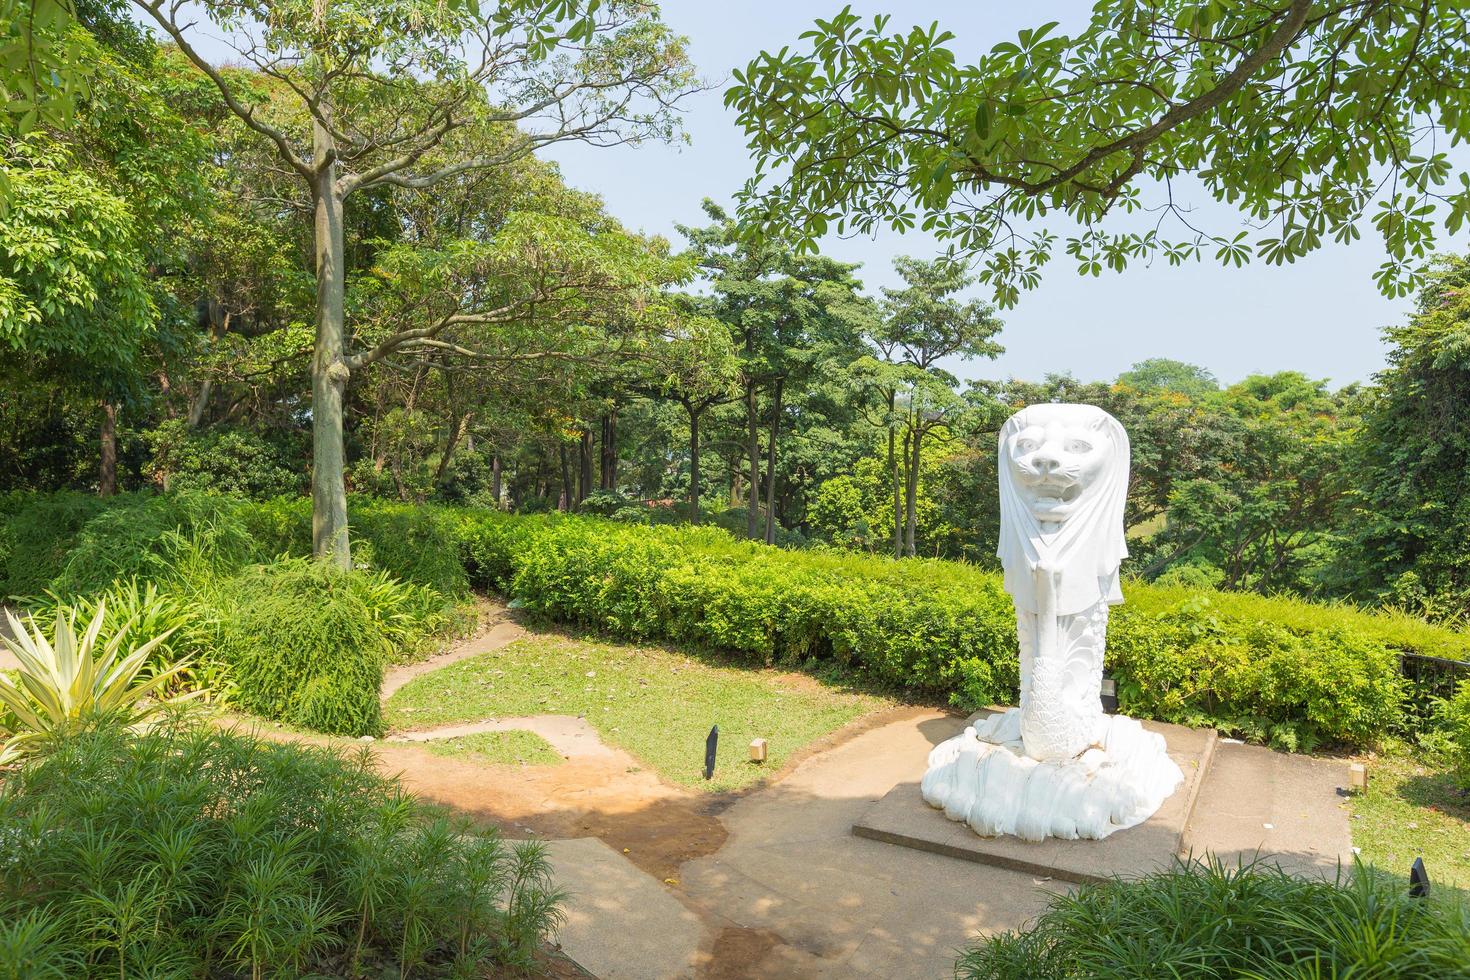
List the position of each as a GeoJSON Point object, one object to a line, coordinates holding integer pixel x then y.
{"type": "Point", "coordinates": [69, 679]}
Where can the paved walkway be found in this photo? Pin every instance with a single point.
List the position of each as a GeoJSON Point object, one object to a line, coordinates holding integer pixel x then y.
{"type": "Point", "coordinates": [668, 883]}
{"type": "Point", "coordinates": [843, 906]}
{"type": "Point", "coordinates": [8, 660]}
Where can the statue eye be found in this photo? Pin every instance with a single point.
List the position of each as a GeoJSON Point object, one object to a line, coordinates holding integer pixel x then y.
{"type": "Point", "coordinates": [1026, 445]}
{"type": "Point", "coordinates": [1078, 446]}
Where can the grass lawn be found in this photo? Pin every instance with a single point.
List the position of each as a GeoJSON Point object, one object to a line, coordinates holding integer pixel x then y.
{"type": "Point", "coordinates": [498, 749]}
{"type": "Point", "coordinates": [1413, 810]}
{"type": "Point", "coordinates": [655, 702]}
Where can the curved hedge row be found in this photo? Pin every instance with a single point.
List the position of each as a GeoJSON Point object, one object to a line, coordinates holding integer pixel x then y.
{"type": "Point", "coordinates": [1280, 671]}
{"type": "Point", "coordinates": [1291, 673]}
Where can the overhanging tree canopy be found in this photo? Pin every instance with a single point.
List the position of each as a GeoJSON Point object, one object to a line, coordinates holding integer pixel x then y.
{"type": "Point", "coordinates": [1306, 115]}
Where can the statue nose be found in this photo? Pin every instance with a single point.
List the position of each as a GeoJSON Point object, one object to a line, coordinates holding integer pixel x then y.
{"type": "Point", "coordinates": [1044, 464]}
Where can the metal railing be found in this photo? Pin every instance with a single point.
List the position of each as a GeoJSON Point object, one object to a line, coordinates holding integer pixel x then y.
{"type": "Point", "coordinates": [1427, 680]}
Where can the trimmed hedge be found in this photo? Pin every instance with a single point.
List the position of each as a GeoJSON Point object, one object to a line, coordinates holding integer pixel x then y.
{"type": "Point", "coordinates": [1291, 673]}
{"type": "Point", "coordinates": [1279, 671]}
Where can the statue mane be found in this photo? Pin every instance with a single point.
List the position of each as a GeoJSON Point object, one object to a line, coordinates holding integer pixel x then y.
{"type": "Point", "coordinates": [1086, 546]}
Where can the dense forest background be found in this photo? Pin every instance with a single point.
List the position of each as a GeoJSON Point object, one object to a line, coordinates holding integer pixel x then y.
{"type": "Point", "coordinates": [156, 319]}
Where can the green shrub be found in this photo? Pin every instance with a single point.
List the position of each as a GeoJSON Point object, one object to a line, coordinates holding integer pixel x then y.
{"type": "Point", "coordinates": [221, 460]}
{"type": "Point", "coordinates": [37, 532]}
{"type": "Point", "coordinates": [1452, 721]}
{"type": "Point", "coordinates": [280, 525]}
{"type": "Point", "coordinates": [1209, 921]}
{"type": "Point", "coordinates": [305, 644]}
{"type": "Point", "coordinates": [1187, 663]}
{"type": "Point", "coordinates": [200, 853]}
{"type": "Point", "coordinates": [164, 538]}
{"type": "Point", "coordinates": [1280, 671]}
{"type": "Point", "coordinates": [412, 543]}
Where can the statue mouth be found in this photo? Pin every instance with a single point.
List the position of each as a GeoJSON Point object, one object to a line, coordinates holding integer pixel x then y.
{"type": "Point", "coordinates": [1050, 495]}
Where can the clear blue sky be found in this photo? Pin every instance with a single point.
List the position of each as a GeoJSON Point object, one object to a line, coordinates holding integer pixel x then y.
{"type": "Point", "coordinates": [1321, 316]}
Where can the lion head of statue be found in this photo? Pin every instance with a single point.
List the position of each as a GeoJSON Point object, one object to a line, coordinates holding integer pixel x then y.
{"type": "Point", "coordinates": [1063, 485]}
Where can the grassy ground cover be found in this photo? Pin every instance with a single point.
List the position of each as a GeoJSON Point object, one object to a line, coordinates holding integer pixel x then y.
{"type": "Point", "coordinates": [1411, 810]}
{"type": "Point", "coordinates": [655, 702]}
{"type": "Point", "coordinates": [498, 749]}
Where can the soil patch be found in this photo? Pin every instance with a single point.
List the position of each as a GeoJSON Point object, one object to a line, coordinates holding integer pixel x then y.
{"type": "Point", "coordinates": [657, 826]}
{"type": "Point", "coordinates": [737, 954]}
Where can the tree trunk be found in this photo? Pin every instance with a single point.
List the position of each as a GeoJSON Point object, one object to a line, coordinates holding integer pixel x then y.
{"type": "Point", "coordinates": [912, 495]}
{"type": "Point", "coordinates": [495, 479]}
{"type": "Point", "coordinates": [693, 463]}
{"type": "Point", "coordinates": [584, 466]}
{"type": "Point", "coordinates": [329, 373]}
{"type": "Point", "coordinates": [609, 472]}
{"type": "Point", "coordinates": [753, 451]}
{"type": "Point", "coordinates": [897, 486]}
{"type": "Point", "coordinates": [565, 501]}
{"type": "Point", "coordinates": [771, 462]}
{"type": "Point", "coordinates": [107, 468]}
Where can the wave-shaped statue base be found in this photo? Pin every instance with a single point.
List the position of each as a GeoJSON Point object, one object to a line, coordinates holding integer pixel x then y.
{"type": "Point", "coordinates": [983, 778]}
{"type": "Point", "coordinates": [1057, 766]}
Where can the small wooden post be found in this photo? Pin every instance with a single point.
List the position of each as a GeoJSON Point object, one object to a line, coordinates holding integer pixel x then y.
{"type": "Point", "coordinates": [758, 750]}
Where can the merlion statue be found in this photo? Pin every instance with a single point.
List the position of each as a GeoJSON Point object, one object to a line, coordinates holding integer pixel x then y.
{"type": "Point", "coordinates": [1057, 766]}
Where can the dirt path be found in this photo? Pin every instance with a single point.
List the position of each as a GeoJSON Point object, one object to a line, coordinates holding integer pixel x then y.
{"type": "Point", "coordinates": [765, 882]}
{"type": "Point", "coordinates": [497, 629]}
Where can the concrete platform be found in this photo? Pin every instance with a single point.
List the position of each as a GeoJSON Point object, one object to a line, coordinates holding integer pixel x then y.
{"type": "Point", "coordinates": [1273, 807]}
{"type": "Point", "coordinates": [902, 817]}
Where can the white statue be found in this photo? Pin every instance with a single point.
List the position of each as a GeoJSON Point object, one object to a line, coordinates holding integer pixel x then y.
{"type": "Point", "coordinates": [1057, 766]}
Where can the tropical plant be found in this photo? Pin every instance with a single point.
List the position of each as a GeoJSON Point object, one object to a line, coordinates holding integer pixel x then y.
{"type": "Point", "coordinates": [1210, 920]}
{"type": "Point", "coordinates": [190, 851]}
{"type": "Point", "coordinates": [140, 611]}
{"type": "Point", "coordinates": [68, 679]}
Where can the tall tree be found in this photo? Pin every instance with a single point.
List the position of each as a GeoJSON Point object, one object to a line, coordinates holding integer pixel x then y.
{"type": "Point", "coordinates": [407, 95]}
{"type": "Point", "coordinates": [924, 323]}
{"type": "Point", "coordinates": [783, 311]}
{"type": "Point", "coordinates": [690, 361]}
{"type": "Point", "coordinates": [1305, 115]}
{"type": "Point", "coordinates": [1411, 465]}
{"type": "Point", "coordinates": [90, 242]}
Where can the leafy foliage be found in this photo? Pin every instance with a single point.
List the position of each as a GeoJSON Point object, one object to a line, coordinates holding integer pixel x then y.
{"type": "Point", "coordinates": [73, 293]}
{"type": "Point", "coordinates": [191, 851]}
{"type": "Point", "coordinates": [221, 460]}
{"type": "Point", "coordinates": [163, 538]}
{"type": "Point", "coordinates": [1452, 715]}
{"type": "Point", "coordinates": [1210, 920]}
{"type": "Point", "coordinates": [1295, 113]}
{"type": "Point", "coordinates": [37, 532]}
{"type": "Point", "coordinates": [306, 644]}
{"type": "Point", "coordinates": [1411, 513]}
{"type": "Point", "coordinates": [68, 679]}
{"type": "Point", "coordinates": [1294, 674]}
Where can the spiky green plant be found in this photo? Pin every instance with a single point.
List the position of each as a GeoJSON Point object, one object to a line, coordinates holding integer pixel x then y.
{"type": "Point", "coordinates": [1216, 921]}
{"type": "Point", "coordinates": [187, 851]}
{"type": "Point", "coordinates": [70, 679]}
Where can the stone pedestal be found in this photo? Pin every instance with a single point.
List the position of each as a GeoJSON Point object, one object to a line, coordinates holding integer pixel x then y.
{"type": "Point", "coordinates": [902, 817]}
